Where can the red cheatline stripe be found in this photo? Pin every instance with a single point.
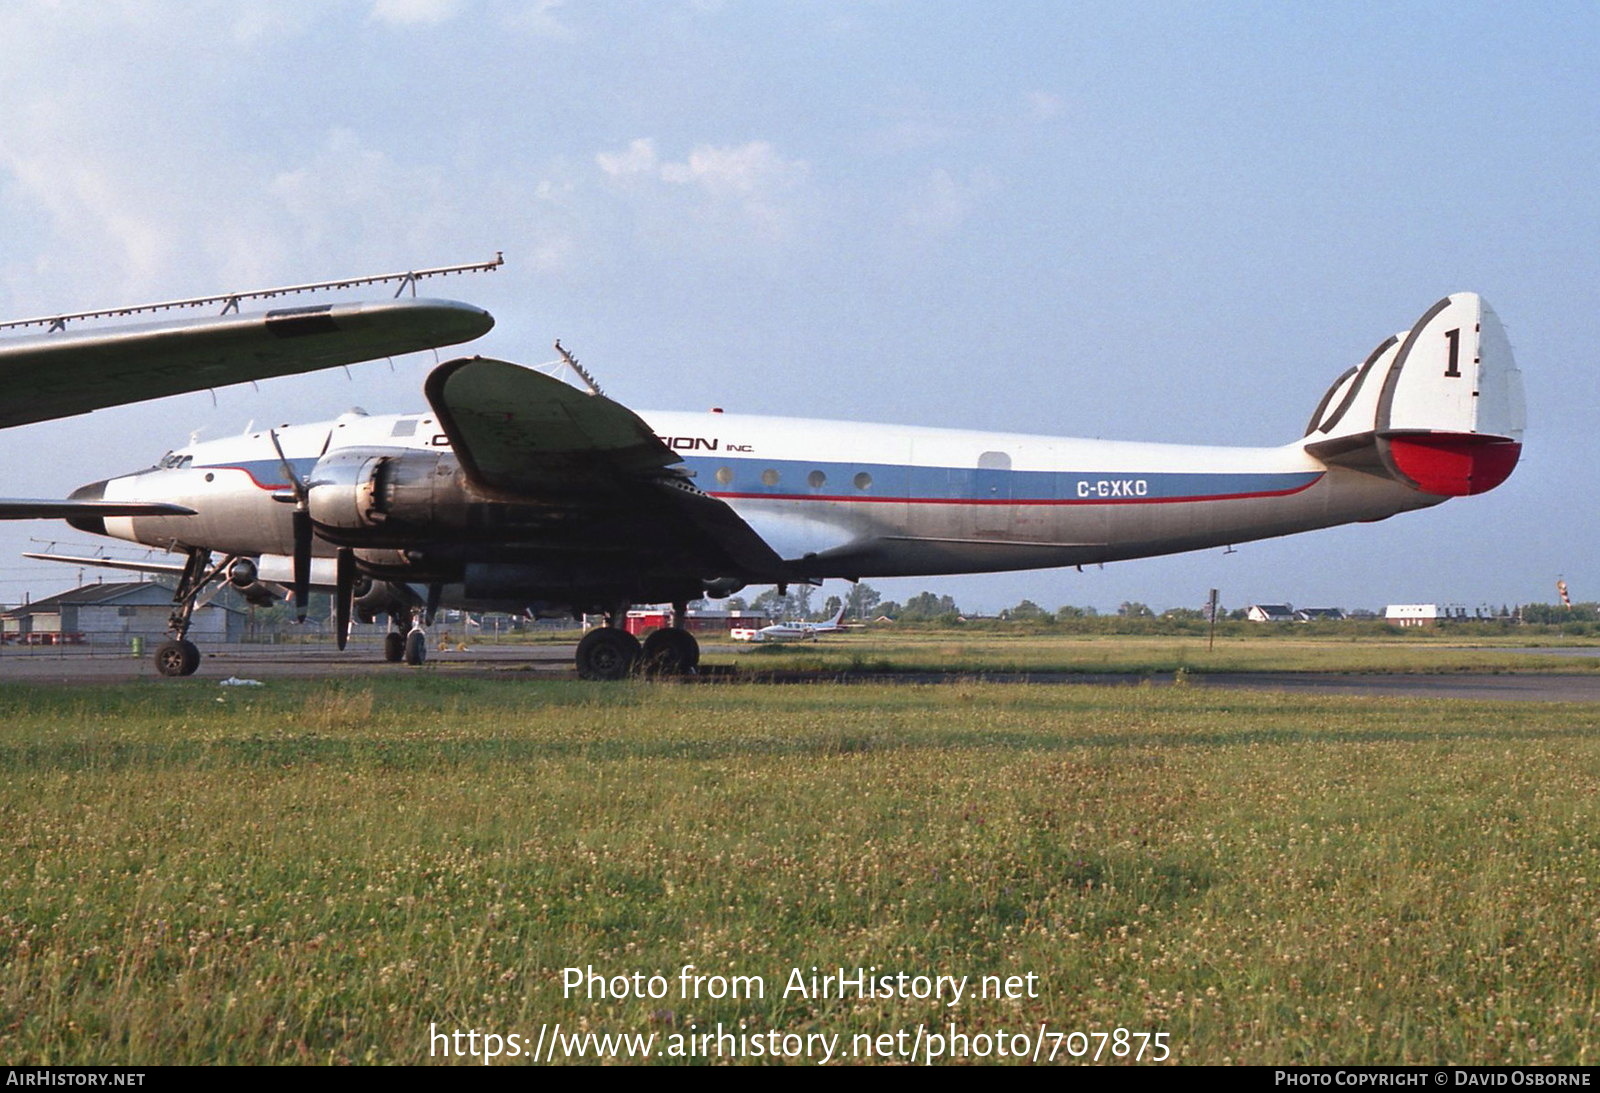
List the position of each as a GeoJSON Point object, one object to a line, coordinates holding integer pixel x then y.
{"type": "Point", "coordinates": [1024, 501]}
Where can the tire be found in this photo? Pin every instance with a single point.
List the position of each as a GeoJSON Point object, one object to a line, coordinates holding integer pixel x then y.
{"type": "Point", "coordinates": [394, 646]}
{"type": "Point", "coordinates": [607, 654]}
{"type": "Point", "coordinates": [672, 651]}
{"type": "Point", "coordinates": [416, 648]}
{"type": "Point", "coordinates": [177, 658]}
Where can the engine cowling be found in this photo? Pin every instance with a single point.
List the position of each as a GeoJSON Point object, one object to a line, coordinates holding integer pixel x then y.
{"type": "Point", "coordinates": [358, 489]}
{"type": "Point", "coordinates": [245, 576]}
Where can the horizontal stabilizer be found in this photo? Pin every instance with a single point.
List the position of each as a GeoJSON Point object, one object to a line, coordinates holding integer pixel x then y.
{"type": "Point", "coordinates": [1437, 407]}
{"type": "Point", "coordinates": [173, 568]}
{"type": "Point", "coordinates": [57, 375]}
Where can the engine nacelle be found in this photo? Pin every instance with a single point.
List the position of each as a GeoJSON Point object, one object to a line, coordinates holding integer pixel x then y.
{"type": "Point", "coordinates": [356, 489]}
{"type": "Point", "coordinates": [245, 576]}
{"type": "Point", "coordinates": [382, 598]}
{"type": "Point", "coordinates": [720, 588]}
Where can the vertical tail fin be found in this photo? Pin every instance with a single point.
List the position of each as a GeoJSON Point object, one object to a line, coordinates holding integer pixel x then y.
{"type": "Point", "coordinates": [1438, 407]}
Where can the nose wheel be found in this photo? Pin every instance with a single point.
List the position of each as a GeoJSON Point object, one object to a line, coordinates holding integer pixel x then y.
{"type": "Point", "coordinates": [177, 658]}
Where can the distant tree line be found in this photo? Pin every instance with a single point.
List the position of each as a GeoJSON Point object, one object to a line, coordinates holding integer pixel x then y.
{"type": "Point", "coordinates": [864, 603]}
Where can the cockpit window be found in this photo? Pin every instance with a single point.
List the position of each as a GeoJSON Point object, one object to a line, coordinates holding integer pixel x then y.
{"type": "Point", "coordinates": [172, 460]}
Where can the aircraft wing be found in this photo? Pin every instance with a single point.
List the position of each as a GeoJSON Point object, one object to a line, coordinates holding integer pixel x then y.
{"type": "Point", "coordinates": [15, 509]}
{"type": "Point", "coordinates": [46, 376]}
{"type": "Point", "coordinates": [524, 436]}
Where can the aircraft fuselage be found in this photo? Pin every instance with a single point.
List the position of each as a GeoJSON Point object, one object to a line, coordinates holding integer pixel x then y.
{"type": "Point", "coordinates": [831, 499]}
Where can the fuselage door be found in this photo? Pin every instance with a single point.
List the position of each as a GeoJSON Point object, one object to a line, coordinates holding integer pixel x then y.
{"type": "Point", "coordinates": [992, 495]}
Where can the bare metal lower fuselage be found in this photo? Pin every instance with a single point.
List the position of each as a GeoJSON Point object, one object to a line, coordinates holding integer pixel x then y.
{"type": "Point", "coordinates": [886, 501]}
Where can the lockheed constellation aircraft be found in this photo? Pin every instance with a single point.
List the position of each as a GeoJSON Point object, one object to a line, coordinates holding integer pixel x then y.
{"type": "Point", "coordinates": [516, 490]}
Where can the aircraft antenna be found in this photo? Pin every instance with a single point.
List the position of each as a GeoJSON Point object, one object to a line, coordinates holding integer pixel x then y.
{"type": "Point", "coordinates": [583, 373]}
{"type": "Point", "coordinates": [230, 301]}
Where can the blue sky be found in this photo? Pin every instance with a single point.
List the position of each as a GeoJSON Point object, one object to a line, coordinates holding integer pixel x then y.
{"type": "Point", "coordinates": [1137, 221]}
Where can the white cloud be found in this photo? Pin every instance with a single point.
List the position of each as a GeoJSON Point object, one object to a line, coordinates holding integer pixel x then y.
{"type": "Point", "coordinates": [941, 202]}
{"type": "Point", "coordinates": [539, 18]}
{"type": "Point", "coordinates": [748, 171]}
{"type": "Point", "coordinates": [639, 158]}
{"type": "Point", "coordinates": [409, 13]}
{"type": "Point", "coordinates": [730, 188]}
{"type": "Point", "coordinates": [255, 24]}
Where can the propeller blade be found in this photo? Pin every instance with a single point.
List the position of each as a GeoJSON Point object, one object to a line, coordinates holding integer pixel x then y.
{"type": "Point", "coordinates": [302, 492]}
{"type": "Point", "coordinates": [302, 561]}
{"type": "Point", "coordinates": [343, 593]}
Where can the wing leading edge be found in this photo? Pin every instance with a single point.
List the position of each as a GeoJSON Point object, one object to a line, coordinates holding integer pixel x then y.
{"type": "Point", "coordinates": [47, 376]}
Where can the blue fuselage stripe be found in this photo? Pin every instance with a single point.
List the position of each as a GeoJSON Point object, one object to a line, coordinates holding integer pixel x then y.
{"type": "Point", "coordinates": [755, 478]}
{"type": "Point", "coordinates": [778, 479]}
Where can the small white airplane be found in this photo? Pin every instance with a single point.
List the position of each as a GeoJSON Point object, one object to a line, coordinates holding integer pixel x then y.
{"type": "Point", "coordinates": [789, 631]}
{"type": "Point", "coordinates": [517, 491]}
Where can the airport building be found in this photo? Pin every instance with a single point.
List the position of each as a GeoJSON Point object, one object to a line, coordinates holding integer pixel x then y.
{"type": "Point", "coordinates": [113, 613]}
{"type": "Point", "coordinates": [1431, 614]}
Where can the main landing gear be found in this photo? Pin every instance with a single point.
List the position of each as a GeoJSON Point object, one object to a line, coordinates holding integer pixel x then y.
{"type": "Point", "coordinates": [607, 653]}
{"type": "Point", "coordinates": [610, 652]}
{"type": "Point", "coordinates": [410, 646]}
{"type": "Point", "coordinates": [671, 652]}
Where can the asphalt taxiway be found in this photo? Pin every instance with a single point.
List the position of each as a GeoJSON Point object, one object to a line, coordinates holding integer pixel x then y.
{"type": "Point", "coordinates": [263, 663]}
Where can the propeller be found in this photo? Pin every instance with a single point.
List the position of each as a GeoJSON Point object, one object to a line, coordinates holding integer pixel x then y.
{"type": "Point", "coordinates": [302, 531]}
{"type": "Point", "coordinates": [344, 586]}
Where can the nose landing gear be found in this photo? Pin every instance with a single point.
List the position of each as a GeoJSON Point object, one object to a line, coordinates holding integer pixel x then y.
{"type": "Point", "coordinates": [180, 656]}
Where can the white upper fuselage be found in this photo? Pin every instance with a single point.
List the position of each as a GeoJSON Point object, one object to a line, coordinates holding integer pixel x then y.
{"type": "Point", "coordinates": [843, 498]}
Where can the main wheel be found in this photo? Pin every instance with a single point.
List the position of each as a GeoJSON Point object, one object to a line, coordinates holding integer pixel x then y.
{"type": "Point", "coordinates": [607, 653]}
{"type": "Point", "coordinates": [394, 646]}
{"type": "Point", "coordinates": [177, 658]}
{"type": "Point", "coordinates": [416, 647]}
{"type": "Point", "coordinates": [671, 651]}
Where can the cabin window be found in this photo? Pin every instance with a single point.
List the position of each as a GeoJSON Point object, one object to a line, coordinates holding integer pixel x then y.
{"type": "Point", "coordinates": [404, 427]}
{"type": "Point", "coordinates": [769, 477]}
{"type": "Point", "coordinates": [994, 461]}
{"type": "Point", "coordinates": [817, 480]}
{"type": "Point", "coordinates": [863, 481]}
{"type": "Point", "coordinates": [724, 475]}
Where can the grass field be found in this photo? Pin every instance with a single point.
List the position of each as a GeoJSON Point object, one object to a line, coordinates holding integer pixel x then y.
{"type": "Point", "coordinates": [989, 651]}
{"type": "Point", "coordinates": [321, 872]}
